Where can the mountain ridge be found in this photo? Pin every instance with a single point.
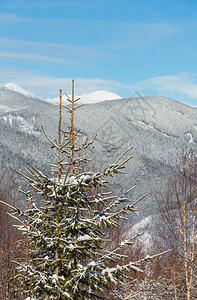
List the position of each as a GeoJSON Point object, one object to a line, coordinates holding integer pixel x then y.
{"type": "Point", "coordinates": [157, 127]}
{"type": "Point", "coordinates": [97, 96]}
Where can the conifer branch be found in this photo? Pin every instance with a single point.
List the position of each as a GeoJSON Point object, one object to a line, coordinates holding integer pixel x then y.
{"type": "Point", "coordinates": [39, 173]}
{"type": "Point", "coordinates": [67, 172]}
{"type": "Point", "coordinates": [26, 177]}
{"type": "Point", "coordinates": [123, 155]}
{"type": "Point", "coordinates": [48, 138]}
{"type": "Point", "coordinates": [124, 162]}
{"type": "Point", "coordinates": [34, 174]}
{"type": "Point", "coordinates": [140, 199]}
{"type": "Point", "coordinates": [8, 205]}
{"type": "Point", "coordinates": [69, 141]}
{"type": "Point", "coordinates": [33, 186]}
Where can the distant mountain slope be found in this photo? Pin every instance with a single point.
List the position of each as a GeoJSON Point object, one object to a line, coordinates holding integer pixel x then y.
{"type": "Point", "coordinates": [13, 97]}
{"type": "Point", "coordinates": [157, 127]}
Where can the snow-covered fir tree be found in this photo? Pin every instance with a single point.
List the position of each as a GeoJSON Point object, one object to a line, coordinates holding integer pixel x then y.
{"type": "Point", "coordinates": [68, 257]}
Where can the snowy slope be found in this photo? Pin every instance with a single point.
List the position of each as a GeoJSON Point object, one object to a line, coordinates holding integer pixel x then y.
{"type": "Point", "coordinates": [157, 127]}
{"type": "Point", "coordinates": [13, 98]}
{"type": "Point", "coordinates": [94, 97]}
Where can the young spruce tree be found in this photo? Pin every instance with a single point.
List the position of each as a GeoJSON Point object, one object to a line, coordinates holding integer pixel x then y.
{"type": "Point", "coordinates": [66, 234]}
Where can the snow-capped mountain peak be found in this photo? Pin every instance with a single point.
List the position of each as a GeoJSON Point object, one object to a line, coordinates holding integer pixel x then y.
{"type": "Point", "coordinates": [18, 89]}
{"type": "Point", "coordinates": [93, 97]}
{"type": "Point", "coordinates": [99, 96]}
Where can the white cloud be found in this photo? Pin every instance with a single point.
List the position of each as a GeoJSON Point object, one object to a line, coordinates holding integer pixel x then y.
{"type": "Point", "coordinates": [103, 33]}
{"type": "Point", "coordinates": [184, 84]}
{"type": "Point", "coordinates": [29, 56]}
{"type": "Point", "coordinates": [49, 47]}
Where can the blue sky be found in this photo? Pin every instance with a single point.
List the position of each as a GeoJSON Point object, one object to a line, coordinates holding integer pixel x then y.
{"type": "Point", "coordinates": [119, 46]}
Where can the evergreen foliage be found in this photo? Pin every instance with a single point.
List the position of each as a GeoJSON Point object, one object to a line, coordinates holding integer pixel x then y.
{"type": "Point", "coordinates": [68, 257]}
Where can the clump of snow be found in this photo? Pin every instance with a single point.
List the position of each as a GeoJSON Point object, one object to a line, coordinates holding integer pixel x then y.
{"type": "Point", "coordinates": [94, 97]}
{"type": "Point", "coordinates": [92, 263]}
{"type": "Point", "coordinates": [72, 180]}
{"type": "Point", "coordinates": [190, 136]}
{"type": "Point", "coordinates": [85, 237]}
{"type": "Point", "coordinates": [54, 278]}
{"type": "Point", "coordinates": [16, 88]}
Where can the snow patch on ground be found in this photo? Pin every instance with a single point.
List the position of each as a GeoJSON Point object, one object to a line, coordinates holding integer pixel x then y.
{"type": "Point", "coordinates": [142, 224]}
{"type": "Point", "coordinates": [139, 227]}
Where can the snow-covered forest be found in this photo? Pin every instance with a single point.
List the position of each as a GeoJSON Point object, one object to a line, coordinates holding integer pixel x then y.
{"type": "Point", "coordinates": [69, 239]}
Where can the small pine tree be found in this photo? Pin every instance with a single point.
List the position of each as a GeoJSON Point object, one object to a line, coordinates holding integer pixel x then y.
{"type": "Point", "coordinates": [66, 233]}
